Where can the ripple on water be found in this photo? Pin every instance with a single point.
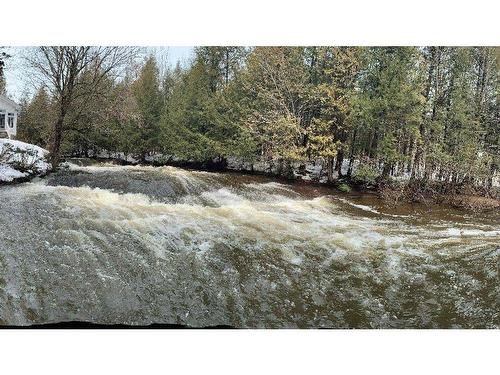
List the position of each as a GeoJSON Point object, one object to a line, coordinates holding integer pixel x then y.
{"type": "Point", "coordinates": [137, 245]}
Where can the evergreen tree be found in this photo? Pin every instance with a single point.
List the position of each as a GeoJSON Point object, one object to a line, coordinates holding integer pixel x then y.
{"type": "Point", "coordinates": [146, 90]}
{"type": "Point", "coordinates": [389, 106]}
{"type": "Point", "coordinates": [35, 118]}
{"type": "Point", "coordinates": [199, 120]}
{"type": "Point", "coordinates": [333, 73]}
{"type": "Point", "coordinates": [274, 83]}
{"type": "Point", "coordinates": [430, 113]}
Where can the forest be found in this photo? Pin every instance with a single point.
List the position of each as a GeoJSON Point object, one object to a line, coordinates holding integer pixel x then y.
{"type": "Point", "coordinates": [423, 114]}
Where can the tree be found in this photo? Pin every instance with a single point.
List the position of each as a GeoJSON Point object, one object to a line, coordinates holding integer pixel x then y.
{"type": "Point", "coordinates": [274, 83]}
{"type": "Point", "coordinates": [333, 75]}
{"type": "Point", "coordinates": [88, 122]}
{"type": "Point", "coordinates": [201, 114]}
{"type": "Point", "coordinates": [62, 69]}
{"type": "Point", "coordinates": [220, 64]}
{"type": "Point", "coordinates": [35, 118]}
{"type": "Point", "coordinates": [427, 113]}
{"type": "Point", "coordinates": [149, 99]}
{"type": "Point", "coordinates": [389, 105]}
{"type": "Point", "coordinates": [486, 61]}
{"type": "Point", "coordinates": [3, 56]}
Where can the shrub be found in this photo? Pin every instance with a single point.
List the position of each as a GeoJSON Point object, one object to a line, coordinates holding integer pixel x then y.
{"type": "Point", "coordinates": [366, 174]}
{"type": "Point", "coordinates": [344, 188]}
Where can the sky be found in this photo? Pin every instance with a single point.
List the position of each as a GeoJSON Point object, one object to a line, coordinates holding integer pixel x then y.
{"type": "Point", "coordinates": [18, 80]}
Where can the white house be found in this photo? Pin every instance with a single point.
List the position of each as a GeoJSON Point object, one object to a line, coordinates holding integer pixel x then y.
{"type": "Point", "coordinates": [8, 117]}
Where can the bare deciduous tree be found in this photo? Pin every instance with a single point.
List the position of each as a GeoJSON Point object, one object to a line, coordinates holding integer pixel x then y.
{"type": "Point", "coordinates": [62, 69]}
{"type": "Point", "coordinates": [3, 56]}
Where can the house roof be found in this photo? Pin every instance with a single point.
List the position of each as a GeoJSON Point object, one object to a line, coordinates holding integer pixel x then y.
{"type": "Point", "coordinates": [10, 102]}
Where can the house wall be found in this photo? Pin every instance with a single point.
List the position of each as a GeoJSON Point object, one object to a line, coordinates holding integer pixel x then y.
{"type": "Point", "coordinates": [8, 110]}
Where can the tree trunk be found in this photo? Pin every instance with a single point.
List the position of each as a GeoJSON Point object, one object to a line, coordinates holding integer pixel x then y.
{"type": "Point", "coordinates": [386, 171]}
{"type": "Point", "coordinates": [351, 154]}
{"type": "Point", "coordinates": [416, 157]}
{"type": "Point", "coordinates": [340, 161]}
{"type": "Point", "coordinates": [55, 148]}
{"type": "Point", "coordinates": [329, 169]}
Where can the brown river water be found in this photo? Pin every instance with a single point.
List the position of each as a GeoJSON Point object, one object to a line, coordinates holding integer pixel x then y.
{"type": "Point", "coordinates": [139, 245]}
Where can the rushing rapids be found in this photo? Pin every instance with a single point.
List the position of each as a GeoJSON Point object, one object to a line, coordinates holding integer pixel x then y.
{"type": "Point", "coordinates": [141, 245]}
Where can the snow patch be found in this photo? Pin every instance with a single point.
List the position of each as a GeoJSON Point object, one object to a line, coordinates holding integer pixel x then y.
{"type": "Point", "coordinates": [15, 153]}
{"type": "Point", "coordinates": [8, 174]}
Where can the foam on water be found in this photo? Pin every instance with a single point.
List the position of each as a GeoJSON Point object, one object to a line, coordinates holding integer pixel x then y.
{"type": "Point", "coordinates": [99, 243]}
{"type": "Point", "coordinates": [360, 206]}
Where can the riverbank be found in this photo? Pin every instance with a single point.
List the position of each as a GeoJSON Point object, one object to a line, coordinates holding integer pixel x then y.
{"type": "Point", "coordinates": [461, 196]}
{"type": "Point", "coordinates": [393, 192]}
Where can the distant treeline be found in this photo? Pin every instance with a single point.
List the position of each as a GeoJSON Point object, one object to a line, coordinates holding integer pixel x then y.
{"type": "Point", "coordinates": [429, 113]}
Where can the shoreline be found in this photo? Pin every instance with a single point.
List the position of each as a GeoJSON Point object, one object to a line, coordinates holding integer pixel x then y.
{"type": "Point", "coordinates": [392, 194]}
{"type": "Point", "coordinates": [468, 202]}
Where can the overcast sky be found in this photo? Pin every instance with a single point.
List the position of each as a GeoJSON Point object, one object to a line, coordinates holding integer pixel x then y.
{"type": "Point", "coordinates": [17, 75]}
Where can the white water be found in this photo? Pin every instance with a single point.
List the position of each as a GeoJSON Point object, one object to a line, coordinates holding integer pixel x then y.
{"type": "Point", "coordinates": [137, 245]}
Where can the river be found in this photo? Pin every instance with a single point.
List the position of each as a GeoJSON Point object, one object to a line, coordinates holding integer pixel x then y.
{"type": "Point", "coordinates": [139, 245]}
